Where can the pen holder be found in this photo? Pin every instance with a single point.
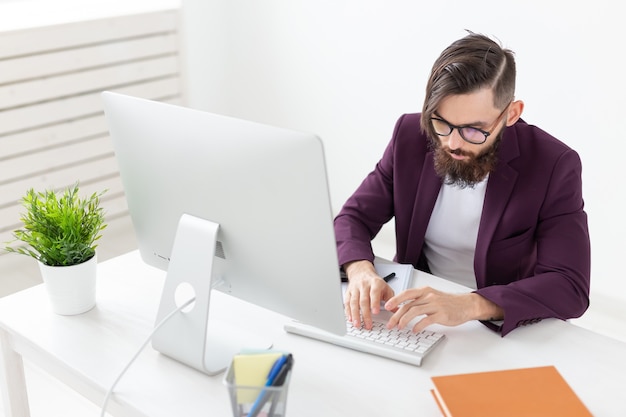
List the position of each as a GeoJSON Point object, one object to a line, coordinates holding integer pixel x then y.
{"type": "Point", "coordinates": [256, 401]}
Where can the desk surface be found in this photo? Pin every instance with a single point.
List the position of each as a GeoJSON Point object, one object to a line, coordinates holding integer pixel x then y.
{"type": "Point", "coordinates": [88, 351]}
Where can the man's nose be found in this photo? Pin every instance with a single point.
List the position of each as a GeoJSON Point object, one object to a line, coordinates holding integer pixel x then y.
{"type": "Point", "coordinates": [455, 141]}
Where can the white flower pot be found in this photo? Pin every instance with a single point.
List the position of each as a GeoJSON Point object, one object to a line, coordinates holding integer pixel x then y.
{"type": "Point", "coordinates": [71, 289]}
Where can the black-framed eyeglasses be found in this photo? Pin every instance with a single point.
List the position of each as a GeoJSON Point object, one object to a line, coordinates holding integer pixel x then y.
{"type": "Point", "coordinates": [469, 134]}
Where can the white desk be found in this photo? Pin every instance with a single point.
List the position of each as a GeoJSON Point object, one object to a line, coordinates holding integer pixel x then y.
{"type": "Point", "coordinates": [88, 351]}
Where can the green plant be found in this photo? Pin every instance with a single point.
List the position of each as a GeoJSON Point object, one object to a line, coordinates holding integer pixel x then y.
{"type": "Point", "coordinates": [59, 229]}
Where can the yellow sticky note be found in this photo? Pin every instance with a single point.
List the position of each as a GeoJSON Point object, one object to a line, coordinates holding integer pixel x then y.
{"type": "Point", "coordinates": [252, 370]}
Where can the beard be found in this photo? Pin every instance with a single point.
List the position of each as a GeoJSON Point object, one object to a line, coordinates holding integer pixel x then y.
{"type": "Point", "coordinates": [466, 173]}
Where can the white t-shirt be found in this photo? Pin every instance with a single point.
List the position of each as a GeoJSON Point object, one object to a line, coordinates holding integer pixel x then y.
{"type": "Point", "coordinates": [450, 240]}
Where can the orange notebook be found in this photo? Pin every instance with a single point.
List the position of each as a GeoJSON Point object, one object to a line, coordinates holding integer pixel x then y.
{"type": "Point", "coordinates": [526, 392]}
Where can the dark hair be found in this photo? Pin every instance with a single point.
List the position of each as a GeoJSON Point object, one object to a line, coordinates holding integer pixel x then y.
{"type": "Point", "coordinates": [467, 65]}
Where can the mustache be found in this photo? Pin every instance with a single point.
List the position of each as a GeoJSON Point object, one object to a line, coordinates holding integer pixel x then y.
{"type": "Point", "coordinates": [459, 152]}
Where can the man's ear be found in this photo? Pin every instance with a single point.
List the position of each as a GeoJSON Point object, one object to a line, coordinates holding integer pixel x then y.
{"type": "Point", "coordinates": [515, 112]}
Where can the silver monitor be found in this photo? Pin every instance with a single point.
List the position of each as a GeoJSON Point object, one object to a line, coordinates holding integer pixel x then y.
{"type": "Point", "coordinates": [226, 204]}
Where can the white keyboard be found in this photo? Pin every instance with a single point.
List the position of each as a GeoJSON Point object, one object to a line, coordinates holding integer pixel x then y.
{"type": "Point", "coordinates": [400, 345]}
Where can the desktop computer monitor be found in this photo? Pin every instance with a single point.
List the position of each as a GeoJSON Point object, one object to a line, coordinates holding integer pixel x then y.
{"type": "Point", "coordinates": [226, 204]}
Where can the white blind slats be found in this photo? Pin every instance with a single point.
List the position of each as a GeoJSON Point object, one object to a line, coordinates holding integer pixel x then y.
{"type": "Point", "coordinates": [79, 34]}
{"type": "Point", "coordinates": [53, 132]}
{"type": "Point", "coordinates": [55, 158]}
{"type": "Point", "coordinates": [32, 140]}
{"type": "Point", "coordinates": [73, 60]}
{"type": "Point", "coordinates": [78, 83]}
{"type": "Point", "coordinates": [71, 108]}
{"type": "Point", "coordinates": [11, 192]}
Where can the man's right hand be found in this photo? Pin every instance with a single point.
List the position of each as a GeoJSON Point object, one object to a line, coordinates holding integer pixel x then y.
{"type": "Point", "coordinates": [366, 290]}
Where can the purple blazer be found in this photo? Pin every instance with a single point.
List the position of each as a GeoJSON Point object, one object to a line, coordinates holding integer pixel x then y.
{"type": "Point", "coordinates": [533, 251]}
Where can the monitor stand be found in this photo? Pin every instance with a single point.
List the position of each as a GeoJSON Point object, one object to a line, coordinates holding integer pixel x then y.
{"type": "Point", "coordinates": [189, 336]}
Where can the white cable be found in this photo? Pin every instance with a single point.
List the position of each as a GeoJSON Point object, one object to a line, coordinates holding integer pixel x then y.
{"type": "Point", "coordinates": [145, 343]}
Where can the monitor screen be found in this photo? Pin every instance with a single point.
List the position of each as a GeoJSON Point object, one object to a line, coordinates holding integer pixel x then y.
{"type": "Point", "coordinates": [247, 205]}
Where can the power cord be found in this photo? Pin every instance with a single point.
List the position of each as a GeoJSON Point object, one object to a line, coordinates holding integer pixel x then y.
{"type": "Point", "coordinates": [145, 343]}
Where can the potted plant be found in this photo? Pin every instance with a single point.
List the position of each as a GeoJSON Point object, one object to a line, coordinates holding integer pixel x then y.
{"type": "Point", "coordinates": [61, 230]}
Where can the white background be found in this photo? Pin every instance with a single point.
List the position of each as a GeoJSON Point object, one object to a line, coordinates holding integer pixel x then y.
{"type": "Point", "coordinates": [347, 69]}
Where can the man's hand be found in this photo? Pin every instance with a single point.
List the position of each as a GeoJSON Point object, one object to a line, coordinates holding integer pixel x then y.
{"type": "Point", "coordinates": [439, 307]}
{"type": "Point", "coordinates": [366, 290]}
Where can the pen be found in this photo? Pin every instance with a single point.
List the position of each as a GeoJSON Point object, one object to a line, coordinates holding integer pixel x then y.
{"type": "Point", "coordinates": [278, 382]}
{"type": "Point", "coordinates": [271, 378]}
{"type": "Point", "coordinates": [344, 276]}
{"type": "Point", "coordinates": [390, 277]}
{"type": "Point", "coordinates": [278, 365]}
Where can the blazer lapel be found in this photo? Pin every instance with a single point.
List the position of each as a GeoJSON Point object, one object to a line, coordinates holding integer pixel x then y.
{"type": "Point", "coordinates": [425, 198]}
{"type": "Point", "coordinates": [499, 189]}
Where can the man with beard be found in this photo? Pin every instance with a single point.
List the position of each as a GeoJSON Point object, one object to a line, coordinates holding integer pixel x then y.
{"type": "Point", "coordinates": [479, 197]}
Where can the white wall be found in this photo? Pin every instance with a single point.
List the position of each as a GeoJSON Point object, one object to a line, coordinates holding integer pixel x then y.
{"type": "Point", "coordinates": [346, 69]}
